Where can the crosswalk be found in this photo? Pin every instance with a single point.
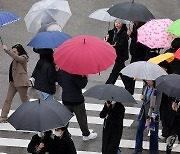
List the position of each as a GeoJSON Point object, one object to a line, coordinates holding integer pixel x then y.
{"type": "Point", "coordinates": [14, 142]}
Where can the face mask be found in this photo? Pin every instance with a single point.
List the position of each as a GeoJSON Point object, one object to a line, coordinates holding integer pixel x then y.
{"type": "Point", "coordinates": [40, 134]}
{"type": "Point", "coordinates": [58, 134]}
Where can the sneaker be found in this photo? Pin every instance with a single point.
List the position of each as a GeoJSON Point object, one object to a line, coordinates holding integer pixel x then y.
{"type": "Point", "coordinates": [170, 141]}
{"type": "Point", "coordinates": [2, 120]}
{"type": "Point", "coordinates": [161, 137]}
{"type": "Point", "coordinates": [91, 136]}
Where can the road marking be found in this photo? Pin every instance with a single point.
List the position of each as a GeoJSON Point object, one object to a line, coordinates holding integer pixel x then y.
{"type": "Point", "coordinates": [97, 120]}
{"type": "Point", "coordinates": [138, 84]}
{"type": "Point", "coordinates": [11, 142]}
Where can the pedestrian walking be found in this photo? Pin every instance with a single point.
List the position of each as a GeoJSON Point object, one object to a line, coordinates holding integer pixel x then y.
{"type": "Point", "coordinates": [45, 74]}
{"type": "Point", "coordinates": [62, 142]}
{"type": "Point", "coordinates": [174, 134]}
{"type": "Point", "coordinates": [148, 118]}
{"type": "Point", "coordinates": [18, 78]}
{"type": "Point", "coordinates": [40, 143]}
{"type": "Point", "coordinates": [113, 115]}
{"type": "Point", "coordinates": [73, 99]}
{"type": "Point", "coordinates": [118, 38]}
{"type": "Point", "coordinates": [137, 51]}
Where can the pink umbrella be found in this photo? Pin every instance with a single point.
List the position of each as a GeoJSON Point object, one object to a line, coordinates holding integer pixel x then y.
{"type": "Point", "coordinates": [154, 34]}
{"type": "Point", "coordinates": [177, 54]}
{"type": "Point", "coordinates": [84, 55]}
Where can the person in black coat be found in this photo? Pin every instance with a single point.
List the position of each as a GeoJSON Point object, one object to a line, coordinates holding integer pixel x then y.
{"type": "Point", "coordinates": [40, 143]}
{"type": "Point", "coordinates": [137, 50]}
{"type": "Point", "coordinates": [73, 99]}
{"type": "Point", "coordinates": [62, 142]}
{"type": "Point", "coordinates": [118, 38]}
{"type": "Point", "coordinates": [113, 115]}
{"type": "Point", "coordinates": [45, 74]}
{"type": "Point", "coordinates": [175, 64]}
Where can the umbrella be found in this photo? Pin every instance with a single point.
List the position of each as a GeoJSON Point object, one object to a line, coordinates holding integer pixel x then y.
{"type": "Point", "coordinates": [131, 11]}
{"type": "Point", "coordinates": [84, 55]}
{"type": "Point", "coordinates": [154, 34]}
{"type": "Point", "coordinates": [7, 18]}
{"type": "Point", "coordinates": [177, 54]}
{"type": "Point", "coordinates": [169, 57]}
{"type": "Point", "coordinates": [45, 12]}
{"type": "Point", "coordinates": [49, 39]}
{"type": "Point", "coordinates": [143, 70]}
{"type": "Point", "coordinates": [174, 28]}
{"type": "Point", "coordinates": [110, 92]}
{"type": "Point", "coordinates": [40, 115]}
{"type": "Point", "coordinates": [169, 84]}
{"type": "Point", "coordinates": [103, 15]}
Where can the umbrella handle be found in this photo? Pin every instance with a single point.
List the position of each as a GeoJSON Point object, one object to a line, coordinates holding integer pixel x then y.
{"type": "Point", "coordinates": [1, 40]}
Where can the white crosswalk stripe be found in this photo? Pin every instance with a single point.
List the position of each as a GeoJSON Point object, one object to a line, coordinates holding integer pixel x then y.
{"type": "Point", "coordinates": [76, 132]}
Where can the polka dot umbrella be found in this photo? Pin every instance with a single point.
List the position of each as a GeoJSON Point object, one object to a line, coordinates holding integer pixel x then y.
{"type": "Point", "coordinates": [154, 34]}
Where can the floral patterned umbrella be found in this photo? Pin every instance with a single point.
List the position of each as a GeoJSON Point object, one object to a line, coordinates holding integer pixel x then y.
{"type": "Point", "coordinates": [154, 34]}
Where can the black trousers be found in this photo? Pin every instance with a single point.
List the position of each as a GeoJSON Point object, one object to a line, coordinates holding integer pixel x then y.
{"type": "Point", "coordinates": [118, 66]}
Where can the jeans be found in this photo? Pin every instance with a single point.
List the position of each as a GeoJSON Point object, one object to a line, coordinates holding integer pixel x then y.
{"type": "Point", "coordinates": [153, 146]}
{"type": "Point", "coordinates": [47, 96]}
{"type": "Point", "coordinates": [119, 151]}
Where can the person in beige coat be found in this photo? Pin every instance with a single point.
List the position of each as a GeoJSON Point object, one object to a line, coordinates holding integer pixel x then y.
{"type": "Point", "coordinates": [18, 78]}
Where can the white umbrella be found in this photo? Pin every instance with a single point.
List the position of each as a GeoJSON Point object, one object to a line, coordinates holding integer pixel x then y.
{"type": "Point", "coordinates": [45, 12]}
{"type": "Point", "coordinates": [103, 15]}
{"type": "Point", "coordinates": [143, 70]}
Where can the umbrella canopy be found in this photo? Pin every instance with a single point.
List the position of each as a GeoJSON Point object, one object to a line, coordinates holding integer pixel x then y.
{"type": "Point", "coordinates": [103, 15]}
{"type": "Point", "coordinates": [131, 11]}
{"type": "Point", "coordinates": [177, 54]}
{"type": "Point", "coordinates": [7, 18]}
{"type": "Point", "coordinates": [84, 55]}
{"type": "Point", "coordinates": [143, 70]}
{"type": "Point", "coordinates": [40, 115]}
{"type": "Point", "coordinates": [174, 28]}
{"type": "Point", "coordinates": [109, 92]}
{"type": "Point", "coordinates": [154, 34]}
{"type": "Point", "coordinates": [49, 39]}
{"type": "Point", "coordinates": [169, 57]}
{"type": "Point", "coordinates": [169, 84]}
{"type": "Point", "coordinates": [45, 12]}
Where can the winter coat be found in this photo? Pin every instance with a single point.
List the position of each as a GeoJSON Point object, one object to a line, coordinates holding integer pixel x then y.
{"type": "Point", "coordinates": [72, 86]}
{"type": "Point", "coordinates": [45, 77]}
{"type": "Point", "coordinates": [151, 105]}
{"type": "Point", "coordinates": [137, 50]}
{"type": "Point", "coordinates": [35, 141]}
{"type": "Point", "coordinates": [121, 40]}
{"type": "Point", "coordinates": [64, 145]}
{"type": "Point", "coordinates": [19, 70]}
{"type": "Point", "coordinates": [113, 127]}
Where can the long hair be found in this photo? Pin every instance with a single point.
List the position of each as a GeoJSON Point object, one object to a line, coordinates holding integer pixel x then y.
{"type": "Point", "coordinates": [20, 49]}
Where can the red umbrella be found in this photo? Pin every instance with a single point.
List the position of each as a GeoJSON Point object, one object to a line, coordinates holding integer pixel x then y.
{"type": "Point", "coordinates": [84, 55]}
{"type": "Point", "coordinates": [177, 54]}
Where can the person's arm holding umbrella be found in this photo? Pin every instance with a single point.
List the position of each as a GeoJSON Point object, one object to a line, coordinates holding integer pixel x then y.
{"type": "Point", "coordinates": [21, 59]}
{"type": "Point", "coordinates": [105, 110]}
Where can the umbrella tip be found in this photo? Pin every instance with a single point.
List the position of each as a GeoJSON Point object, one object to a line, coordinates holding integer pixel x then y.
{"type": "Point", "coordinates": [84, 41]}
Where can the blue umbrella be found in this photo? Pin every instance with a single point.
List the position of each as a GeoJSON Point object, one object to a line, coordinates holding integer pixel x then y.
{"type": "Point", "coordinates": [49, 39]}
{"type": "Point", "coordinates": [7, 18]}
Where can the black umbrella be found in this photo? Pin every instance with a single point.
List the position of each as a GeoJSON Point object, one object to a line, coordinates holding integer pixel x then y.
{"type": "Point", "coordinates": [110, 92]}
{"type": "Point", "coordinates": [169, 84]}
{"type": "Point", "coordinates": [40, 115]}
{"type": "Point", "coordinates": [131, 11]}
